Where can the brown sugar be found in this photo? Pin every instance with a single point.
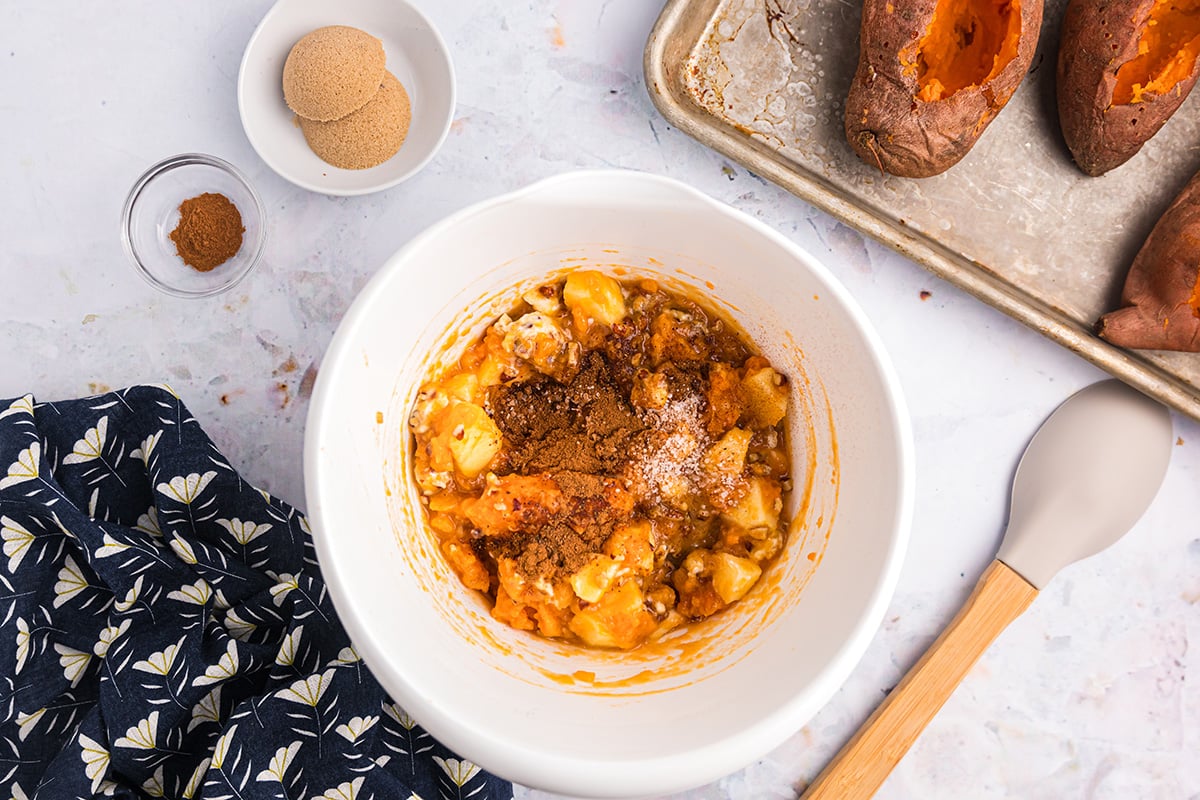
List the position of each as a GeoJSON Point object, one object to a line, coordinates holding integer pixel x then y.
{"type": "Point", "coordinates": [209, 232]}
{"type": "Point", "coordinates": [367, 137]}
{"type": "Point", "coordinates": [332, 72]}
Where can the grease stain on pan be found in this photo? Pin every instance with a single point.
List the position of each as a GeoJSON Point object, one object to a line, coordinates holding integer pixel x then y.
{"type": "Point", "coordinates": [688, 655]}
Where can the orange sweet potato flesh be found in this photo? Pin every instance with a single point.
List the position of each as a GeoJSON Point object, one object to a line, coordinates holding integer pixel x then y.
{"type": "Point", "coordinates": [1161, 297]}
{"type": "Point", "coordinates": [932, 75]}
{"type": "Point", "coordinates": [1124, 67]}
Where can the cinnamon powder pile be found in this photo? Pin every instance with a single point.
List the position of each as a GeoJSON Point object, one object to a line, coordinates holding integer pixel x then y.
{"type": "Point", "coordinates": [580, 432]}
{"type": "Point", "coordinates": [209, 232]}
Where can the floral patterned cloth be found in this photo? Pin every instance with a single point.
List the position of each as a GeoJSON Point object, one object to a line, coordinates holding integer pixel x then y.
{"type": "Point", "coordinates": [165, 632]}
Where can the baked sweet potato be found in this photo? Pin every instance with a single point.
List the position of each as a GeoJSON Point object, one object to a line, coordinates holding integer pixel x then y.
{"type": "Point", "coordinates": [1162, 291]}
{"type": "Point", "coordinates": [1124, 67]}
{"type": "Point", "coordinates": [932, 74]}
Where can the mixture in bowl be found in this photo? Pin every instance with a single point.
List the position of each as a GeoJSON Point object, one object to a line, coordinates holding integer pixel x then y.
{"type": "Point", "coordinates": [607, 462]}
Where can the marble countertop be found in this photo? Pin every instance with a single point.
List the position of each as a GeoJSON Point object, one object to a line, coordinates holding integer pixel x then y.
{"type": "Point", "coordinates": [1085, 696]}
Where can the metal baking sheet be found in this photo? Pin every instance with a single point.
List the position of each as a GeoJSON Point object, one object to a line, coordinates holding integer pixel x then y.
{"type": "Point", "coordinates": [1014, 223]}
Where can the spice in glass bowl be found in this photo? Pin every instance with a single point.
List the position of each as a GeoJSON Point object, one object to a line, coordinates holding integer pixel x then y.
{"type": "Point", "coordinates": [209, 232]}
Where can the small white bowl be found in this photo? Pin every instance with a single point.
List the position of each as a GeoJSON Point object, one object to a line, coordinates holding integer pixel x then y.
{"type": "Point", "coordinates": [416, 55]}
{"type": "Point", "coordinates": [151, 213]}
{"type": "Point", "coordinates": [710, 698]}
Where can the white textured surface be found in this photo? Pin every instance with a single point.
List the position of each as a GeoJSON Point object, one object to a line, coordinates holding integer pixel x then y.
{"type": "Point", "coordinates": [1088, 695]}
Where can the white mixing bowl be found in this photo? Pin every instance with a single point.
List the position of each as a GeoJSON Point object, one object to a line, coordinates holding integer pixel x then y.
{"type": "Point", "coordinates": [716, 696]}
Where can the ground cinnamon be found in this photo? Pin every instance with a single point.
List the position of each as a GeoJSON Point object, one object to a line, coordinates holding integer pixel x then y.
{"type": "Point", "coordinates": [580, 433]}
{"type": "Point", "coordinates": [209, 232]}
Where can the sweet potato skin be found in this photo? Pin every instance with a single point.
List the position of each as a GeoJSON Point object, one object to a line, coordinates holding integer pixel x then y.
{"type": "Point", "coordinates": [1098, 37]}
{"type": "Point", "coordinates": [888, 126]}
{"type": "Point", "coordinates": [1160, 295]}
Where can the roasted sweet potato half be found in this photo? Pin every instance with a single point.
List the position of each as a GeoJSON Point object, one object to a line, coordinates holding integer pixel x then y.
{"type": "Point", "coordinates": [932, 74]}
{"type": "Point", "coordinates": [1162, 291]}
{"type": "Point", "coordinates": [1124, 67]}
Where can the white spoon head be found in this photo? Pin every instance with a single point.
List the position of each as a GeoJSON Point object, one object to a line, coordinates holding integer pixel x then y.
{"type": "Point", "coordinates": [1087, 476]}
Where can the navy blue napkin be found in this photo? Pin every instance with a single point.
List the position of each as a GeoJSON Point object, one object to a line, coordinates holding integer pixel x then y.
{"type": "Point", "coordinates": [165, 632]}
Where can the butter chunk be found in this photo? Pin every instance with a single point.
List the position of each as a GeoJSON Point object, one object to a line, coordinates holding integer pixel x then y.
{"type": "Point", "coordinates": [733, 576]}
{"type": "Point", "coordinates": [766, 394]}
{"type": "Point", "coordinates": [472, 438]}
{"type": "Point", "coordinates": [759, 507]}
{"type": "Point", "coordinates": [619, 619]}
{"type": "Point", "coordinates": [593, 579]}
{"type": "Point", "coordinates": [594, 296]}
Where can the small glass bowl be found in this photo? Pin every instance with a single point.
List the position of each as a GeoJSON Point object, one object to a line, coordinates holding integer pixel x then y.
{"type": "Point", "coordinates": [152, 212]}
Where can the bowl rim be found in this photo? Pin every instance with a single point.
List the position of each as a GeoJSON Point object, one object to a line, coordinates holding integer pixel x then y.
{"type": "Point", "coordinates": [264, 152]}
{"type": "Point", "coordinates": [161, 168]}
{"type": "Point", "coordinates": [651, 774]}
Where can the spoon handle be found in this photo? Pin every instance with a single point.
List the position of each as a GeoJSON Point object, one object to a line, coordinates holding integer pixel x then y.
{"type": "Point", "coordinates": [864, 763]}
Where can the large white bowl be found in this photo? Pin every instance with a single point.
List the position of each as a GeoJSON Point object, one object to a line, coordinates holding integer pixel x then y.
{"type": "Point", "coordinates": [716, 696]}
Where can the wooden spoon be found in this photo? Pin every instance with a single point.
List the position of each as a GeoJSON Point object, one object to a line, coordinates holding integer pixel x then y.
{"type": "Point", "coordinates": [1087, 476]}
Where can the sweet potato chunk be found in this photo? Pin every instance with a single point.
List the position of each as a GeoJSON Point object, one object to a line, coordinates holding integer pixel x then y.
{"type": "Point", "coordinates": [514, 502]}
{"type": "Point", "coordinates": [725, 398]}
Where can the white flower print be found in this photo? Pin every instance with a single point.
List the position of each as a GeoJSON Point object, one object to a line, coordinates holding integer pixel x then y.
{"type": "Point", "coordinates": [111, 547]}
{"type": "Point", "coordinates": [197, 593]}
{"type": "Point", "coordinates": [184, 550]}
{"type": "Point", "coordinates": [91, 446]}
{"type": "Point", "coordinates": [73, 663]}
{"type": "Point", "coordinates": [285, 584]}
{"type": "Point", "coordinates": [244, 532]}
{"type": "Point", "coordinates": [108, 636]}
{"type": "Point", "coordinates": [95, 760]}
{"type": "Point", "coordinates": [147, 447]}
{"type": "Point", "coordinates": [356, 727]}
{"type": "Point", "coordinates": [224, 669]}
{"type": "Point", "coordinates": [238, 628]}
{"type": "Point", "coordinates": [148, 523]}
{"type": "Point", "coordinates": [22, 643]}
{"type": "Point", "coordinates": [27, 722]}
{"type": "Point", "coordinates": [25, 468]}
{"type": "Point", "coordinates": [347, 655]}
{"type": "Point", "coordinates": [197, 779]}
{"type": "Point", "coordinates": [70, 582]}
{"type": "Point", "coordinates": [279, 763]}
{"type": "Point", "coordinates": [222, 747]}
{"type": "Point", "coordinates": [401, 716]}
{"type": "Point", "coordinates": [308, 691]}
{"type": "Point", "coordinates": [22, 405]}
{"type": "Point", "coordinates": [131, 597]}
{"type": "Point", "coordinates": [16, 541]}
{"type": "Point", "coordinates": [459, 772]}
{"type": "Point", "coordinates": [160, 663]}
{"type": "Point", "coordinates": [344, 791]}
{"type": "Point", "coordinates": [186, 489]}
{"type": "Point", "coordinates": [154, 784]}
{"type": "Point", "coordinates": [143, 736]}
{"type": "Point", "coordinates": [287, 648]}
{"type": "Point", "coordinates": [207, 710]}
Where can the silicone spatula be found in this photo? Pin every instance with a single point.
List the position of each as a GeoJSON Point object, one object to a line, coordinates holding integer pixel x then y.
{"type": "Point", "coordinates": [1087, 476]}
